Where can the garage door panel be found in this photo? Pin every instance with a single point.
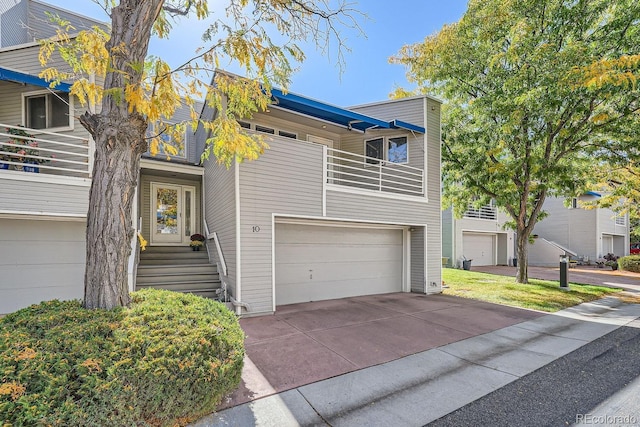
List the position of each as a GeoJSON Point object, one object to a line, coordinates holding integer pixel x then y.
{"type": "Point", "coordinates": [479, 247]}
{"type": "Point", "coordinates": [337, 253]}
{"type": "Point", "coordinates": [321, 262]}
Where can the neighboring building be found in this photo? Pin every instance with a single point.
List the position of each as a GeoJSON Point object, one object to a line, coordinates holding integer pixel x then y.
{"type": "Point", "coordinates": [479, 236]}
{"type": "Point", "coordinates": [344, 202]}
{"type": "Point", "coordinates": [584, 233]}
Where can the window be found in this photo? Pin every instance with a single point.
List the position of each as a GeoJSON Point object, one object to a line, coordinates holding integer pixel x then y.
{"type": "Point", "coordinates": [374, 148]}
{"type": "Point", "coordinates": [574, 203]}
{"type": "Point", "coordinates": [621, 220]}
{"type": "Point", "coordinates": [46, 110]}
{"type": "Point", "coordinates": [287, 134]}
{"type": "Point", "coordinates": [166, 138]}
{"type": "Point", "coordinates": [392, 149]}
{"type": "Point", "coordinates": [265, 129]}
{"type": "Point", "coordinates": [244, 125]}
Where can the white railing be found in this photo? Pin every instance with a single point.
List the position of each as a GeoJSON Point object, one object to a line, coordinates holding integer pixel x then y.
{"type": "Point", "coordinates": [222, 264]}
{"type": "Point", "coordinates": [485, 212]}
{"type": "Point", "coordinates": [44, 152]}
{"type": "Point", "coordinates": [368, 173]}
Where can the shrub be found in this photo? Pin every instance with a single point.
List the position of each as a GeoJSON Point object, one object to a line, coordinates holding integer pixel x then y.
{"type": "Point", "coordinates": [166, 360]}
{"type": "Point", "coordinates": [630, 263]}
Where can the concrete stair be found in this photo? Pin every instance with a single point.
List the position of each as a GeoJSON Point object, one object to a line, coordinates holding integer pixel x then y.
{"type": "Point", "coordinates": [178, 268]}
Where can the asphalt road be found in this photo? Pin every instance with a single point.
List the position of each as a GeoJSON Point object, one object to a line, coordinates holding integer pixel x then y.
{"type": "Point", "coordinates": [581, 386]}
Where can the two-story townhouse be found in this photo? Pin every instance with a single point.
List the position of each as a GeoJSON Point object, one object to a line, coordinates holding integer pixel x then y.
{"type": "Point", "coordinates": [346, 201]}
{"type": "Point", "coordinates": [581, 232]}
{"type": "Point", "coordinates": [479, 236]}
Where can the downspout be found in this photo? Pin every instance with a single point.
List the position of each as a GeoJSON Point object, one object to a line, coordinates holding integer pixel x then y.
{"type": "Point", "coordinates": [239, 304]}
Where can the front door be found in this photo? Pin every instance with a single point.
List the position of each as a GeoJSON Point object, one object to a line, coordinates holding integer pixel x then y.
{"type": "Point", "coordinates": [172, 213]}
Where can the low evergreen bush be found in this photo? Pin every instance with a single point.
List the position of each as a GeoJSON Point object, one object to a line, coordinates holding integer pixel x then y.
{"type": "Point", "coordinates": [167, 360]}
{"type": "Point", "coordinates": [630, 263]}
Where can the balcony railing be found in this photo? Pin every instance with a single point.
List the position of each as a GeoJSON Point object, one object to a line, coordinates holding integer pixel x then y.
{"type": "Point", "coordinates": [368, 173]}
{"type": "Point", "coordinates": [485, 212]}
{"type": "Point", "coordinates": [44, 152]}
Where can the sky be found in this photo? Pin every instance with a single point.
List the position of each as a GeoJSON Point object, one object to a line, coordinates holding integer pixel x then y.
{"type": "Point", "coordinates": [367, 75]}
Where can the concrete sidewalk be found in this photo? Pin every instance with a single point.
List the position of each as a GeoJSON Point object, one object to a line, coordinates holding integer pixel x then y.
{"type": "Point", "coordinates": [418, 389]}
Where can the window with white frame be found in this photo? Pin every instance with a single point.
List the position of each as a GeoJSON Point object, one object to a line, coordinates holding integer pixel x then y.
{"type": "Point", "coordinates": [269, 130]}
{"type": "Point", "coordinates": [621, 220]}
{"type": "Point", "coordinates": [390, 149]}
{"type": "Point", "coordinates": [167, 138]}
{"type": "Point", "coordinates": [47, 110]}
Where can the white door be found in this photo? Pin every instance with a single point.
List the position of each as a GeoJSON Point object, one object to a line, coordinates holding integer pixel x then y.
{"type": "Point", "coordinates": [479, 247]}
{"type": "Point", "coordinates": [172, 213]}
{"type": "Point", "coordinates": [320, 262]}
{"type": "Point", "coordinates": [607, 244]}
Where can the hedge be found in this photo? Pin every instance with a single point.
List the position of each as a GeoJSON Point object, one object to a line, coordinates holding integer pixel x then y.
{"type": "Point", "coordinates": [630, 263]}
{"type": "Point", "coordinates": [168, 359]}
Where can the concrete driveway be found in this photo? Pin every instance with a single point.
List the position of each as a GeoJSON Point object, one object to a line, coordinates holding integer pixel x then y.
{"type": "Point", "coordinates": [588, 275]}
{"type": "Point", "coordinates": [305, 343]}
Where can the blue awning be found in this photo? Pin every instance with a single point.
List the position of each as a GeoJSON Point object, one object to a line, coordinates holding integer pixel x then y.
{"type": "Point", "coordinates": [593, 193]}
{"type": "Point", "coordinates": [340, 116]}
{"type": "Point", "coordinates": [22, 78]}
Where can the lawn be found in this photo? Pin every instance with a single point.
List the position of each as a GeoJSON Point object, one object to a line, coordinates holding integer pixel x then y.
{"type": "Point", "coordinates": [543, 295]}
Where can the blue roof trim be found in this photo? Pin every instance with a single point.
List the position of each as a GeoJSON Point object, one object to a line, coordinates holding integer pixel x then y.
{"type": "Point", "coordinates": [340, 116]}
{"type": "Point", "coordinates": [593, 193]}
{"type": "Point", "coordinates": [18, 77]}
{"type": "Point", "coordinates": [408, 126]}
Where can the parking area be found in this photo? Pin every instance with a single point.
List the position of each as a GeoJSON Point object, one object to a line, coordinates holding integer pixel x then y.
{"type": "Point", "coordinates": [309, 342]}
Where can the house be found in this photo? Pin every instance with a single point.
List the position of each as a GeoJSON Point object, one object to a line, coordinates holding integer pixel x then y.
{"type": "Point", "coordinates": [586, 234]}
{"type": "Point", "coordinates": [569, 230]}
{"type": "Point", "coordinates": [346, 201]}
{"type": "Point", "coordinates": [479, 236]}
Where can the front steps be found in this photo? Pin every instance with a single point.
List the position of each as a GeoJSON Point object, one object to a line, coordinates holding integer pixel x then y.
{"type": "Point", "coordinates": [178, 268]}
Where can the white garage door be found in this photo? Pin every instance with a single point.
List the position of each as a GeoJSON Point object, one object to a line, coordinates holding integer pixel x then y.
{"type": "Point", "coordinates": [479, 247]}
{"type": "Point", "coordinates": [320, 262]}
{"type": "Point", "coordinates": [40, 260]}
{"type": "Point", "coordinates": [607, 244]}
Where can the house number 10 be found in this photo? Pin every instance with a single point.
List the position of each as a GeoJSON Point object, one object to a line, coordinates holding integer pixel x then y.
{"type": "Point", "coordinates": [256, 229]}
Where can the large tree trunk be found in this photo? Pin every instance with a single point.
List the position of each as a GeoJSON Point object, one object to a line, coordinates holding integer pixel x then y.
{"type": "Point", "coordinates": [109, 223]}
{"type": "Point", "coordinates": [119, 135]}
{"type": "Point", "coordinates": [522, 241]}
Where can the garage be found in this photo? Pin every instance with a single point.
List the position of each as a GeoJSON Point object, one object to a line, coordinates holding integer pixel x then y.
{"type": "Point", "coordinates": [479, 247]}
{"type": "Point", "coordinates": [607, 244]}
{"type": "Point", "coordinates": [316, 262]}
{"type": "Point", "coordinates": [40, 260]}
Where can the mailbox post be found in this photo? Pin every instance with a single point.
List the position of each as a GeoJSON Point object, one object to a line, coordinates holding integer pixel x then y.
{"type": "Point", "coordinates": [564, 272]}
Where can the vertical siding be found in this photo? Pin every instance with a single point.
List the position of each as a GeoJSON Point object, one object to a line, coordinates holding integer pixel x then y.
{"type": "Point", "coordinates": [433, 217]}
{"type": "Point", "coordinates": [418, 260]}
{"type": "Point", "coordinates": [145, 198]}
{"type": "Point", "coordinates": [220, 213]}
{"type": "Point", "coordinates": [40, 260]}
{"type": "Point", "coordinates": [287, 178]}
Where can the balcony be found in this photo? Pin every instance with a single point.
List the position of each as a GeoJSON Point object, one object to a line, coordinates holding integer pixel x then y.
{"type": "Point", "coordinates": [344, 168]}
{"type": "Point", "coordinates": [30, 150]}
{"type": "Point", "coordinates": [488, 212]}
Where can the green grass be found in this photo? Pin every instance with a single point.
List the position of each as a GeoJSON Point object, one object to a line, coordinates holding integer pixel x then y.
{"type": "Point", "coordinates": [543, 295]}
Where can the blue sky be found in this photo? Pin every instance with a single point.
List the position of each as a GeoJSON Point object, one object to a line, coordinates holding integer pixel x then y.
{"type": "Point", "coordinates": [367, 76]}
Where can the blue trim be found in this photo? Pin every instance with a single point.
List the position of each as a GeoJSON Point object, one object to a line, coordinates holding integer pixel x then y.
{"type": "Point", "coordinates": [340, 116]}
{"type": "Point", "coordinates": [18, 77]}
{"type": "Point", "coordinates": [593, 193]}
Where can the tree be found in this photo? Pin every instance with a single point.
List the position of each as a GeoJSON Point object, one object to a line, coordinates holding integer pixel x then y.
{"type": "Point", "coordinates": [138, 91]}
{"type": "Point", "coordinates": [521, 125]}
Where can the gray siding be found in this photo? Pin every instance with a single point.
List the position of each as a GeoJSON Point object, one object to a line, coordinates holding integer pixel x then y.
{"type": "Point", "coordinates": [448, 236]}
{"type": "Point", "coordinates": [407, 109]}
{"type": "Point", "coordinates": [433, 217]}
{"type": "Point", "coordinates": [145, 198]}
{"type": "Point", "coordinates": [27, 196]}
{"type": "Point", "coordinates": [40, 260]}
{"type": "Point", "coordinates": [40, 26]}
{"type": "Point", "coordinates": [220, 214]}
{"type": "Point", "coordinates": [287, 179]}
{"type": "Point", "coordinates": [12, 14]}
{"type": "Point", "coordinates": [418, 260]}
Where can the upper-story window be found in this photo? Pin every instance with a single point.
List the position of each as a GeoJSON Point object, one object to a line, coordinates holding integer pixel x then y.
{"type": "Point", "coordinates": [391, 149]}
{"type": "Point", "coordinates": [169, 142]}
{"type": "Point", "coordinates": [574, 203]}
{"type": "Point", "coordinates": [47, 110]}
{"type": "Point", "coordinates": [266, 129]}
{"type": "Point", "coordinates": [621, 220]}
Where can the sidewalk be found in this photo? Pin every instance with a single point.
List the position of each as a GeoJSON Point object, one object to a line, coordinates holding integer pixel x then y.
{"type": "Point", "coordinates": [423, 387]}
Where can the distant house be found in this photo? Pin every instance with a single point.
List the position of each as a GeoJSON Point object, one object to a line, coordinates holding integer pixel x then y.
{"type": "Point", "coordinates": [479, 235]}
{"type": "Point", "coordinates": [346, 201]}
{"type": "Point", "coordinates": [587, 233]}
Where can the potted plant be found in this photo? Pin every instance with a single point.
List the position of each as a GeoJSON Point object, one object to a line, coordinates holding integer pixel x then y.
{"type": "Point", "coordinates": [611, 260]}
{"type": "Point", "coordinates": [26, 150]}
{"type": "Point", "coordinates": [197, 241]}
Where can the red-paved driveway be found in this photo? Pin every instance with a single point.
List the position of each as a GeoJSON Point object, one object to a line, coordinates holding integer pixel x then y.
{"type": "Point", "coordinates": [588, 275]}
{"type": "Point", "coordinates": [304, 343]}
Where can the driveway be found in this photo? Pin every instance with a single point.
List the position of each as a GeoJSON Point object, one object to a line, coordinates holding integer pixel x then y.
{"type": "Point", "coordinates": [584, 274]}
{"type": "Point", "coordinates": [305, 343]}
